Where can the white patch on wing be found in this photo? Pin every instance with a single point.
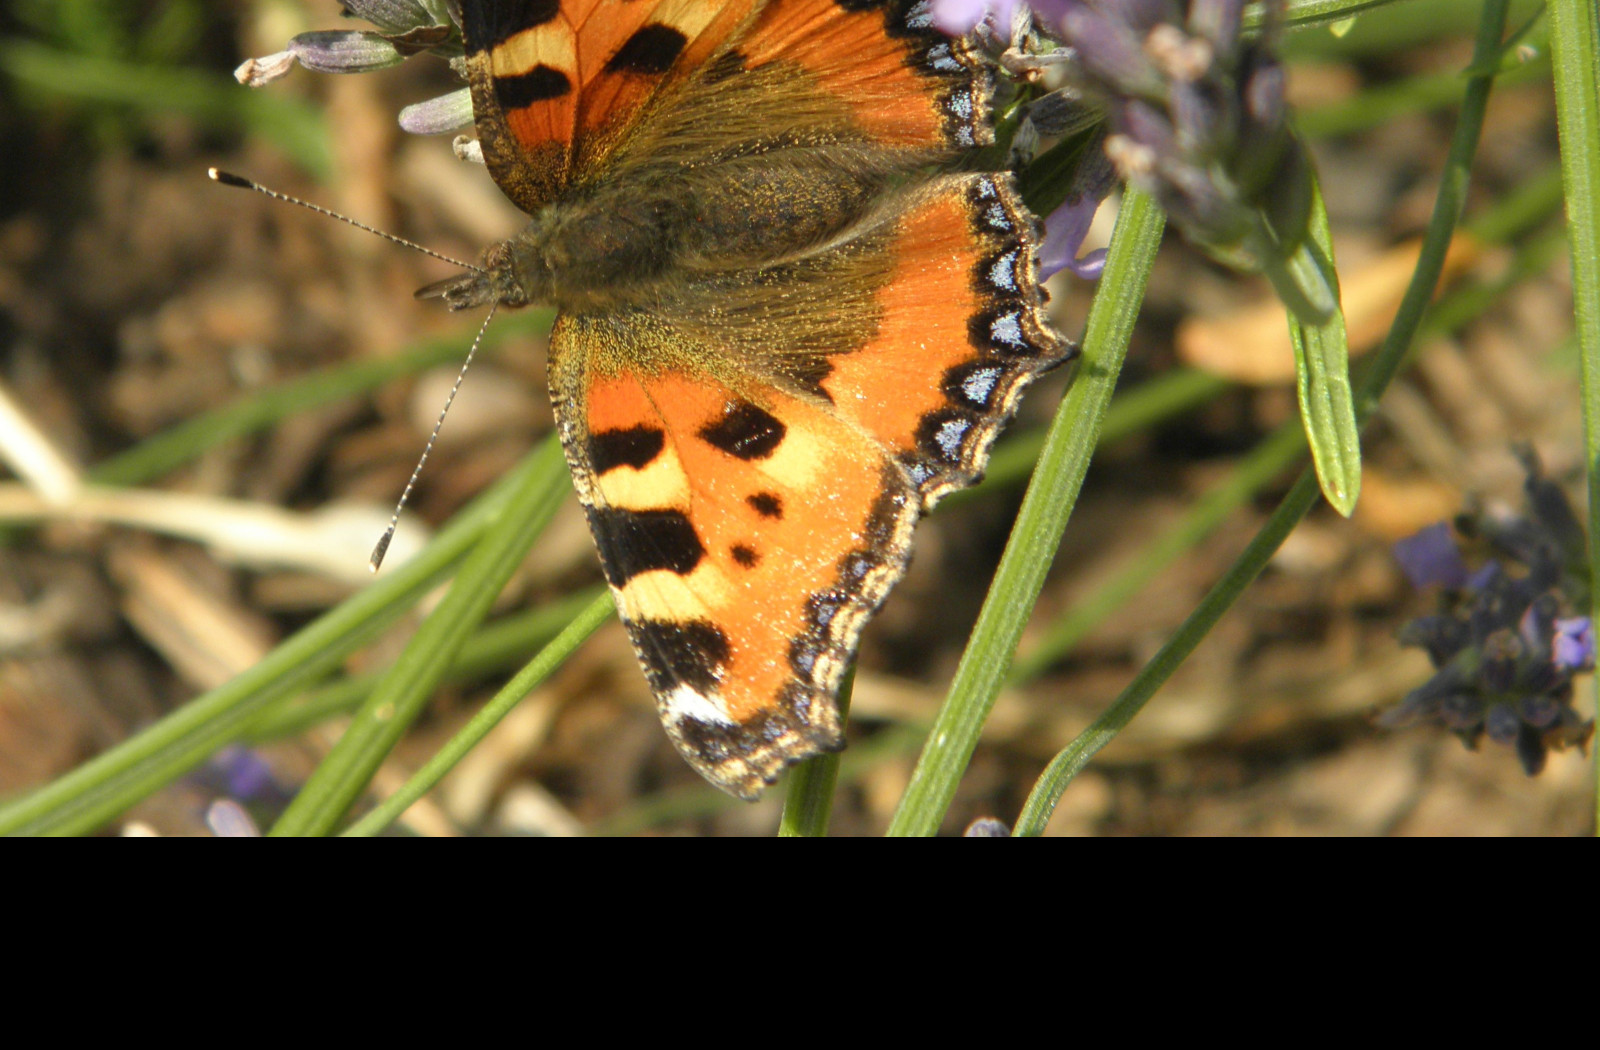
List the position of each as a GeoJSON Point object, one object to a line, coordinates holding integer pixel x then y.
{"type": "Point", "coordinates": [684, 702]}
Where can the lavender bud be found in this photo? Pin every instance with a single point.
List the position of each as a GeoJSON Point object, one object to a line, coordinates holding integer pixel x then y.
{"type": "Point", "coordinates": [1506, 655]}
{"type": "Point", "coordinates": [338, 51]}
{"type": "Point", "coordinates": [439, 115]}
{"type": "Point", "coordinates": [1461, 711]}
{"type": "Point", "coordinates": [1540, 711]}
{"type": "Point", "coordinates": [1500, 652]}
{"type": "Point", "coordinates": [1110, 51]}
{"type": "Point", "coordinates": [1532, 750]}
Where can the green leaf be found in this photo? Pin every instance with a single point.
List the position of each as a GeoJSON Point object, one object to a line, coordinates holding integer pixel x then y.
{"type": "Point", "coordinates": [1322, 378]}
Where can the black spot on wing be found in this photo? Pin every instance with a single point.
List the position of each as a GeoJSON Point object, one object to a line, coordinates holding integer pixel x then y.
{"type": "Point", "coordinates": [486, 24]}
{"type": "Point", "coordinates": [649, 51]}
{"type": "Point", "coordinates": [634, 447]}
{"type": "Point", "coordinates": [745, 556]}
{"type": "Point", "coordinates": [638, 541]}
{"type": "Point", "coordinates": [745, 432]}
{"type": "Point", "coordinates": [766, 504]}
{"type": "Point", "coordinates": [674, 654]}
{"type": "Point", "coordinates": [539, 84]}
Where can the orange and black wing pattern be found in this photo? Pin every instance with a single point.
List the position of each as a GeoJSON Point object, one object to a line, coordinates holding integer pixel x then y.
{"type": "Point", "coordinates": [556, 84]}
{"type": "Point", "coordinates": [750, 519]}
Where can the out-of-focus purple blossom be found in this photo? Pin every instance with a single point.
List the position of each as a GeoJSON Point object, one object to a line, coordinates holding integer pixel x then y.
{"type": "Point", "coordinates": [1572, 648]}
{"type": "Point", "coordinates": [1431, 557]}
{"type": "Point", "coordinates": [961, 16]}
{"type": "Point", "coordinates": [987, 828]}
{"type": "Point", "coordinates": [1504, 653]}
{"type": "Point", "coordinates": [242, 772]}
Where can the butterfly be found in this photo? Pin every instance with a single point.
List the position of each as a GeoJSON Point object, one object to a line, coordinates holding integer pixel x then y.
{"type": "Point", "coordinates": [786, 325]}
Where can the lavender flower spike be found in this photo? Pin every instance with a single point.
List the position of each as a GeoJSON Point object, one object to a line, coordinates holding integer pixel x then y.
{"type": "Point", "coordinates": [1504, 655]}
{"type": "Point", "coordinates": [1197, 119]}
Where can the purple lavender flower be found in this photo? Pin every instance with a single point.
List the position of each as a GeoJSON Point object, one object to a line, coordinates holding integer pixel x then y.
{"type": "Point", "coordinates": [1504, 653]}
{"type": "Point", "coordinates": [1572, 648]}
{"type": "Point", "coordinates": [1066, 226]}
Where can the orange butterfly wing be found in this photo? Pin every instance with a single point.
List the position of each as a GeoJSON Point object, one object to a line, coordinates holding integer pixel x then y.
{"type": "Point", "coordinates": [556, 84]}
{"type": "Point", "coordinates": [749, 526]}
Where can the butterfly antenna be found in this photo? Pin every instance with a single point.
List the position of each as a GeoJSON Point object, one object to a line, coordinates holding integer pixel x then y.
{"type": "Point", "coordinates": [394, 519]}
{"type": "Point", "coordinates": [227, 178]}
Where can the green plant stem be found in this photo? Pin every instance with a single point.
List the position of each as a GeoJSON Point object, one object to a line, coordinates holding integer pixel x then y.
{"type": "Point", "coordinates": [539, 485]}
{"type": "Point", "coordinates": [808, 805]}
{"type": "Point", "coordinates": [1302, 14]}
{"type": "Point", "coordinates": [1039, 525]}
{"type": "Point", "coordinates": [1418, 94]}
{"type": "Point", "coordinates": [1302, 496]}
{"type": "Point", "coordinates": [1575, 53]}
{"type": "Point", "coordinates": [598, 611]}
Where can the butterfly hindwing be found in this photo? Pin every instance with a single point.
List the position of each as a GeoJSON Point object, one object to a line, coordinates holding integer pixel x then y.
{"type": "Point", "coordinates": [753, 509]}
{"type": "Point", "coordinates": [724, 523]}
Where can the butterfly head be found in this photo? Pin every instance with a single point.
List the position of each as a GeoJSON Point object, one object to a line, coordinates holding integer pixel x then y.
{"type": "Point", "coordinates": [495, 280]}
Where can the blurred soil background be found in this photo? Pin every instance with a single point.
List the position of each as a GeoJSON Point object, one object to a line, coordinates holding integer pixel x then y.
{"type": "Point", "coordinates": [136, 295]}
